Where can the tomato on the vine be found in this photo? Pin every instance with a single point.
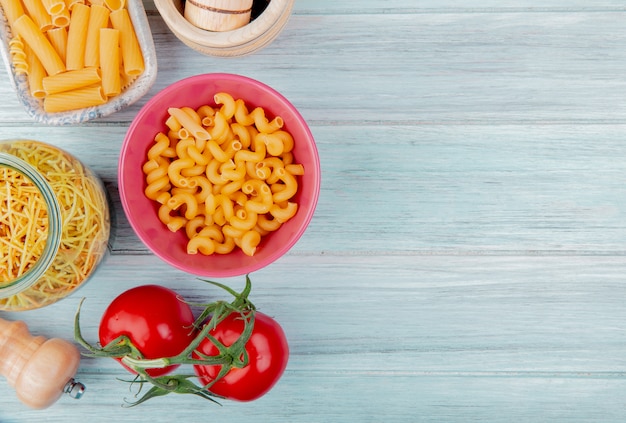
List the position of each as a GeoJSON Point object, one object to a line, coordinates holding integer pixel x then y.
{"type": "Point", "coordinates": [154, 318]}
{"type": "Point", "coordinates": [268, 353]}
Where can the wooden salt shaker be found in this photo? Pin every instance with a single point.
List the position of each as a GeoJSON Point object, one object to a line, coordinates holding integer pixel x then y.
{"type": "Point", "coordinates": [218, 15]}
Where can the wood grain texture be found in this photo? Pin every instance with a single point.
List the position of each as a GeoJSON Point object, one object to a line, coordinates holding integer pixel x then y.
{"type": "Point", "coordinates": [466, 261]}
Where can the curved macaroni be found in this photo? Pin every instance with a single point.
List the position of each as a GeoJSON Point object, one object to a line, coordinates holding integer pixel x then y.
{"type": "Point", "coordinates": [263, 124]}
{"type": "Point", "coordinates": [228, 104]}
{"type": "Point", "coordinates": [249, 241]}
{"type": "Point", "coordinates": [290, 186]}
{"type": "Point", "coordinates": [283, 214]}
{"type": "Point", "coordinates": [220, 127]}
{"type": "Point", "coordinates": [224, 176]}
{"type": "Point", "coordinates": [202, 244]}
{"type": "Point", "coordinates": [261, 194]}
{"type": "Point", "coordinates": [174, 172]}
{"type": "Point", "coordinates": [187, 199]}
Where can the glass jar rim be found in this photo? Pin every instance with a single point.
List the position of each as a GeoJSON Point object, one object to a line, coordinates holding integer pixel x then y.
{"type": "Point", "coordinates": [55, 226]}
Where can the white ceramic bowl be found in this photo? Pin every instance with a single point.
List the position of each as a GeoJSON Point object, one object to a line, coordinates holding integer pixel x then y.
{"type": "Point", "coordinates": [132, 93]}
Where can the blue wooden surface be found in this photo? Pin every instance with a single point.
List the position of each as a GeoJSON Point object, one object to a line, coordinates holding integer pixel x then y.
{"type": "Point", "coordinates": [467, 258]}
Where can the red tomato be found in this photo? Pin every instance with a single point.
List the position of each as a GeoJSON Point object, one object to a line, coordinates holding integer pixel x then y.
{"type": "Point", "coordinates": [155, 319]}
{"type": "Point", "coordinates": [268, 355]}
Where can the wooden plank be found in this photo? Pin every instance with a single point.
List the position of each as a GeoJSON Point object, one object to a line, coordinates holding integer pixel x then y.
{"type": "Point", "coordinates": [444, 337]}
{"type": "Point", "coordinates": [471, 6]}
{"type": "Point", "coordinates": [466, 260]}
{"type": "Point", "coordinates": [321, 7]}
{"type": "Point", "coordinates": [433, 68]}
{"type": "Point", "coordinates": [462, 189]}
{"type": "Point", "coordinates": [470, 189]}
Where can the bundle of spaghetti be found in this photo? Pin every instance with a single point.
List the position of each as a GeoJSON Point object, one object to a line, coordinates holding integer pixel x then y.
{"type": "Point", "coordinates": [23, 224]}
{"type": "Point", "coordinates": [85, 218]}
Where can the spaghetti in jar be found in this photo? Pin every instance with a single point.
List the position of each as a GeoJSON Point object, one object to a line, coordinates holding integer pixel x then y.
{"type": "Point", "coordinates": [54, 224]}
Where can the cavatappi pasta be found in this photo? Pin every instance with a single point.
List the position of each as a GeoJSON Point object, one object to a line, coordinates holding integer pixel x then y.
{"type": "Point", "coordinates": [64, 36]}
{"type": "Point", "coordinates": [85, 224]}
{"type": "Point", "coordinates": [224, 175]}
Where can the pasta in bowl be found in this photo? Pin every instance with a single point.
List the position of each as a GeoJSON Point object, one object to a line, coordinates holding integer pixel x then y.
{"type": "Point", "coordinates": [75, 60]}
{"type": "Point", "coordinates": [219, 175]}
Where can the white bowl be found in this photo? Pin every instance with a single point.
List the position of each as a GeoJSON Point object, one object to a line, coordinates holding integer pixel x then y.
{"type": "Point", "coordinates": [34, 106]}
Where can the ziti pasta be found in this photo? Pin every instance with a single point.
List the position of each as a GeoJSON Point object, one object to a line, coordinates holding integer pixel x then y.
{"type": "Point", "coordinates": [24, 224]}
{"type": "Point", "coordinates": [225, 176]}
{"type": "Point", "coordinates": [65, 36]}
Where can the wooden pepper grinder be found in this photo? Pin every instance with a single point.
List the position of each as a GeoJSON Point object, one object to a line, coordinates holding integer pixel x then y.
{"type": "Point", "coordinates": [39, 369]}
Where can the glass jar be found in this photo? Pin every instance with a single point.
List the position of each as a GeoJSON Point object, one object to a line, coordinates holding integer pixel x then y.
{"type": "Point", "coordinates": [54, 224]}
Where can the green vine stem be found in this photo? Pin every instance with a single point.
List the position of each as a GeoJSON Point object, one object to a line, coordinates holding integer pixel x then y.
{"type": "Point", "coordinates": [229, 357]}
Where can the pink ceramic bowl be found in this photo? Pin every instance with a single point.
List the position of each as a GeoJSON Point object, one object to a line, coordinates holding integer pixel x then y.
{"type": "Point", "coordinates": [142, 212]}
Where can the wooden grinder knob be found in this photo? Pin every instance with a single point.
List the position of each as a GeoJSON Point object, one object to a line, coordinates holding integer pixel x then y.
{"type": "Point", "coordinates": [39, 369]}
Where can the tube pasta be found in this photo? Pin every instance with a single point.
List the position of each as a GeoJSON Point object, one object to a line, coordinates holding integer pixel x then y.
{"type": "Point", "coordinates": [71, 3]}
{"type": "Point", "coordinates": [58, 40]}
{"type": "Point", "coordinates": [189, 123]}
{"type": "Point", "coordinates": [39, 44]}
{"type": "Point", "coordinates": [13, 9]}
{"type": "Point", "coordinates": [115, 4]}
{"type": "Point", "coordinates": [79, 98]}
{"type": "Point", "coordinates": [131, 52]}
{"type": "Point", "coordinates": [98, 19]}
{"type": "Point", "coordinates": [64, 35]}
{"type": "Point", "coordinates": [61, 19]}
{"type": "Point", "coordinates": [53, 7]}
{"type": "Point", "coordinates": [224, 176]}
{"type": "Point", "coordinates": [109, 60]}
{"type": "Point", "coordinates": [71, 80]}
{"type": "Point", "coordinates": [39, 14]}
{"type": "Point", "coordinates": [36, 73]}
{"type": "Point", "coordinates": [77, 37]}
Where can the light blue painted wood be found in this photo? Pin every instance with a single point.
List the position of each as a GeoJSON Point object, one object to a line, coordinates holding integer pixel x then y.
{"type": "Point", "coordinates": [438, 67]}
{"type": "Point", "coordinates": [395, 337]}
{"type": "Point", "coordinates": [470, 6]}
{"type": "Point", "coordinates": [467, 258]}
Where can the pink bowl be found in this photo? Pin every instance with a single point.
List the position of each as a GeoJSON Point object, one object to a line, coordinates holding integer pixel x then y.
{"type": "Point", "coordinates": [142, 212]}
